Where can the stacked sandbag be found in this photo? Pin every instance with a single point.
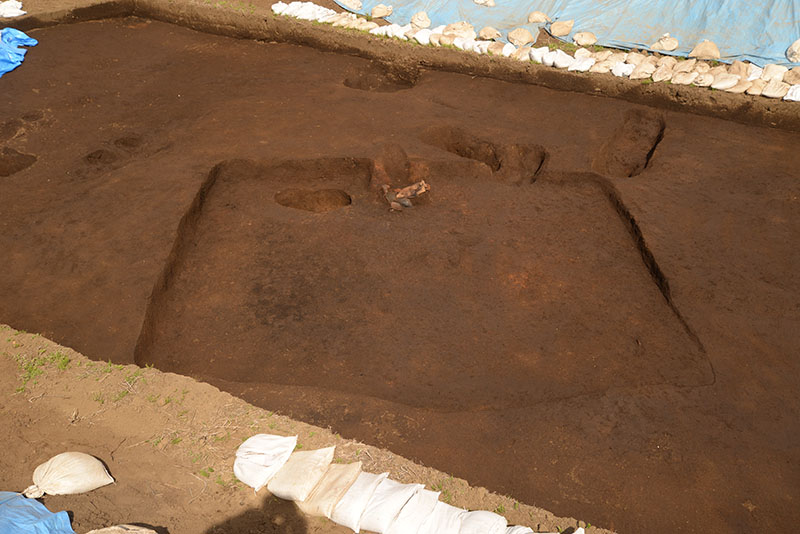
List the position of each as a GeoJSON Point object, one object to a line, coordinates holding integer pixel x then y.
{"type": "Point", "coordinates": [351, 497]}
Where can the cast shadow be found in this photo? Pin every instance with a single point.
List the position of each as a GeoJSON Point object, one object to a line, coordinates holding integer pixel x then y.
{"type": "Point", "coordinates": [275, 516]}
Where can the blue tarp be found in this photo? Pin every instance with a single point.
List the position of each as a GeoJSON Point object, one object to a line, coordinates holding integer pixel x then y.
{"type": "Point", "coordinates": [759, 31]}
{"type": "Point", "coordinates": [20, 515]}
{"type": "Point", "coordinates": [11, 55]}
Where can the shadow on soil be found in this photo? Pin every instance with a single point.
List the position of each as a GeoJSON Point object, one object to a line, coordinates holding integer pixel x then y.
{"type": "Point", "coordinates": [274, 516]}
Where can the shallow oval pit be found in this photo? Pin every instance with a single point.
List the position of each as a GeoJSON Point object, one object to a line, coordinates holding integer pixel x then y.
{"type": "Point", "coordinates": [315, 200]}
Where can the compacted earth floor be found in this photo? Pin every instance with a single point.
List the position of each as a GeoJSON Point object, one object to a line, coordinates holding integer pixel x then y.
{"type": "Point", "coordinates": [593, 309]}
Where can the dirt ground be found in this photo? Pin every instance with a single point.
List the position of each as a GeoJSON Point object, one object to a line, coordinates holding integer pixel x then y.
{"type": "Point", "coordinates": [592, 310]}
{"type": "Point", "coordinates": [169, 441]}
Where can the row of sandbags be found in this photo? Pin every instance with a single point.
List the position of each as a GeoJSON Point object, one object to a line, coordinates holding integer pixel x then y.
{"type": "Point", "coordinates": [352, 497]}
{"type": "Point", "coordinates": [773, 81]}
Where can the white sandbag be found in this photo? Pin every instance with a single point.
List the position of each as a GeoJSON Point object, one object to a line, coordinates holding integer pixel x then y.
{"type": "Point", "coordinates": [350, 508]}
{"type": "Point", "coordinates": [549, 58]}
{"type": "Point", "coordinates": [385, 504]}
{"type": "Point", "coordinates": [444, 519]}
{"type": "Point", "coordinates": [68, 473]}
{"type": "Point", "coordinates": [622, 69]}
{"type": "Point", "coordinates": [11, 8]}
{"type": "Point", "coordinates": [582, 65]}
{"type": "Point", "coordinates": [563, 60]}
{"type": "Point", "coordinates": [483, 522]}
{"type": "Point", "coordinates": [537, 54]}
{"type": "Point", "coordinates": [793, 94]}
{"type": "Point", "coordinates": [508, 49]}
{"type": "Point", "coordinates": [302, 471]}
{"type": "Point", "coordinates": [123, 529]}
{"type": "Point", "coordinates": [330, 490]}
{"type": "Point", "coordinates": [414, 513]}
{"type": "Point", "coordinates": [516, 529]}
{"type": "Point", "coordinates": [423, 36]}
{"type": "Point", "coordinates": [260, 457]}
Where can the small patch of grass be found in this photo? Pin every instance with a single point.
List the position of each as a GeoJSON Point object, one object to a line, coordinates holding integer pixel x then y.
{"type": "Point", "coordinates": [99, 397]}
{"type": "Point", "coordinates": [206, 473]}
{"type": "Point", "coordinates": [121, 395]}
{"type": "Point", "coordinates": [500, 510]}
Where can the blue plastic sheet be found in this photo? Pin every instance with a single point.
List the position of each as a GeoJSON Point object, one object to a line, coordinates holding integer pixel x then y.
{"type": "Point", "coordinates": [759, 31]}
{"type": "Point", "coordinates": [11, 55]}
{"type": "Point", "coordinates": [20, 515]}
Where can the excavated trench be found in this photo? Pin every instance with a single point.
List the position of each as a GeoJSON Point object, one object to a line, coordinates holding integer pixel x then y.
{"type": "Point", "coordinates": [232, 226]}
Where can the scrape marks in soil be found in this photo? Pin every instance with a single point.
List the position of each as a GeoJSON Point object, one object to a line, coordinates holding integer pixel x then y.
{"type": "Point", "coordinates": [382, 77]}
{"type": "Point", "coordinates": [483, 298]}
{"type": "Point", "coordinates": [510, 163]}
{"type": "Point", "coordinates": [631, 146]}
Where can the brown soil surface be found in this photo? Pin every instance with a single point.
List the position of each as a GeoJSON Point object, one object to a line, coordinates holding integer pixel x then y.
{"type": "Point", "coordinates": [169, 441]}
{"type": "Point", "coordinates": [592, 310]}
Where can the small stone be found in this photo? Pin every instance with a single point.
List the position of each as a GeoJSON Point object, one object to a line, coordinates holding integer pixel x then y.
{"type": "Point", "coordinates": [772, 72]}
{"type": "Point", "coordinates": [704, 79]}
{"type": "Point", "coordinates": [775, 89]}
{"type": "Point", "coordinates": [561, 28]}
{"type": "Point", "coordinates": [662, 73]}
{"type": "Point", "coordinates": [793, 52]}
{"type": "Point", "coordinates": [420, 20]}
{"type": "Point", "coordinates": [739, 68]}
{"type": "Point", "coordinates": [666, 60]}
{"type": "Point", "coordinates": [496, 49]}
{"type": "Point", "coordinates": [701, 68]}
{"type": "Point", "coordinates": [756, 88]}
{"type": "Point", "coordinates": [489, 34]}
{"type": "Point", "coordinates": [792, 77]}
{"type": "Point", "coordinates": [520, 37]}
{"type": "Point", "coordinates": [537, 17]}
{"type": "Point", "coordinates": [582, 53]}
{"type": "Point", "coordinates": [705, 50]}
{"type": "Point", "coordinates": [740, 87]}
{"type": "Point", "coordinates": [461, 29]}
{"type": "Point", "coordinates": [685, 66]}
{"type": "Point", "coordinates": [584, 38]}
{"type": "Point", "coordinates": [380, 11]}
{"type": "Point", "coordinates": [683, 78]}
{"type": "Point", "coordinates": [724, 81]}
{"type": "Point", "coordinates": [665, 43]}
